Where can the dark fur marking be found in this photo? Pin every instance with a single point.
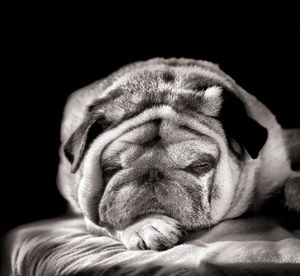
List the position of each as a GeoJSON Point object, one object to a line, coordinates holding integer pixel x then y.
{"type": "Point", "coordinates": [168, 76]}
{"type": "Point", "coordinates": [191, 102]}
{"type": "Point", "coordinates": [149, 101]}
{"type": "Point", "coordinates": [199, 83]}
{"type": "Point", "coordinates": [244, 130]}
{"type": "Point", "coordinates": [114, 94]}
{"type": "Point", "coordinates": [181, 104]}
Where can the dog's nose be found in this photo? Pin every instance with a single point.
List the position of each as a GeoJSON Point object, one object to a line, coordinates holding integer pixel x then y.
{"type": "Point", "coordinates": [152, 175]}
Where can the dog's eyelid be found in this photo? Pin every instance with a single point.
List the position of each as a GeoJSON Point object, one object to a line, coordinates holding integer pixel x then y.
{"type": "Point", "coordinates": [110, 163]}
{"type": "Point", "coordinates": [201, 165]}
{"type": "Point", "coordinates": [111, 166]}
{"type": "Point", "coordinates": [109, 171]}
{"type": "Point", "coordinates": [204, 158]}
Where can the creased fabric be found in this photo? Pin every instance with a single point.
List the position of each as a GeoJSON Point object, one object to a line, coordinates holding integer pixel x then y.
{"type": "Point", "coordinates": [62, 246]}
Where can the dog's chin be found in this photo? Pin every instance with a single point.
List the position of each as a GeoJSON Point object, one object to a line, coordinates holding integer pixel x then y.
{"type": "Point", "coordinates": [125, 217]}
{"type": "Point", "coordinates": [132, 217]}
{"type": "Point", "coordinates": [122, 204]}
{"type": "Point", "coordinates": [121, 222]}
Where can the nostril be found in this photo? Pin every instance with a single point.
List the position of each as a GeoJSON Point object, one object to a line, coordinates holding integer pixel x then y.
{"type": "Point", "coordinates": [152, 175]}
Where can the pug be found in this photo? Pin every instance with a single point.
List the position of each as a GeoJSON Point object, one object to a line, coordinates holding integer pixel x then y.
{"type": "Point", "coordinates": [167, 146]}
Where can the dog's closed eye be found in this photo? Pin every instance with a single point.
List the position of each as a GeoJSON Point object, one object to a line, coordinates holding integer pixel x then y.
{"type": "Point", "coordinates": [109, 170]}
{"type": "Point", "coordinates": [201, 166]}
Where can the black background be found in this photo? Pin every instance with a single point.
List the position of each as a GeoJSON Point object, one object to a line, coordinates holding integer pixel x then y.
{"type": "Point", "coordinates": [51, 52]}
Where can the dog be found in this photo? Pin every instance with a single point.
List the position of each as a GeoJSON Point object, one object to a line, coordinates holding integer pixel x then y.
{"type": "Point", "coordinates": [167, 146]}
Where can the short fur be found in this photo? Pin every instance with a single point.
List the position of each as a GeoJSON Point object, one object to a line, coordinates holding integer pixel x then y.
{"type": "Point", "coordinates": [170, 144]}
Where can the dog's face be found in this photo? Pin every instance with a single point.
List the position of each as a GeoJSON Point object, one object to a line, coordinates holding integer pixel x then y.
{"type": "Point", "coordinates": [159, 168]}
{"type": "Point", "coordinates": [168, 141]}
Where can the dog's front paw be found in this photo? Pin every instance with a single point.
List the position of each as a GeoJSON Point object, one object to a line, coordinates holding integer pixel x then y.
{"type": "Point", "coordinates": [292, 194]}
{"type": "Point", "coordinates": [154, 232]}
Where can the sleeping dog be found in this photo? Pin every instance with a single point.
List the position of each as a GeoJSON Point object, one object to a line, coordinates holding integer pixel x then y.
{"type": "Point", "coordinates": [166, 146]}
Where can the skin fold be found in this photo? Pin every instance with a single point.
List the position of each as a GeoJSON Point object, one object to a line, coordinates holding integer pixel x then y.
{"type": "Point", "coordinates": [168, 146]}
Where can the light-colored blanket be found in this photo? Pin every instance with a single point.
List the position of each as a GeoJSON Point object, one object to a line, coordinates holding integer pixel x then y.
{"type": "Point", "coordinates": [248, 246]}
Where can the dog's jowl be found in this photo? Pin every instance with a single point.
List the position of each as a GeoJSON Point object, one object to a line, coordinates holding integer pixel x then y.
{"type": "Point", "coordinates": [166, 146]}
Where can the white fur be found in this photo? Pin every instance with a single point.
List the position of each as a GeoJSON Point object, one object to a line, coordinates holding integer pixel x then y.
{"type": "Point", "coordinates": [264, 174]}
{"type": "Point", "coordinates": [91, 181]}
{"type": "Point", "coordinates": [213, 93]}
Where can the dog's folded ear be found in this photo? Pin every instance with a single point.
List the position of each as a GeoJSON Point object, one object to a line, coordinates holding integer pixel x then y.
{"type": "Point", "coordinates": [75, 148]}
{"type": "Point", "coordinates": [239, 126]}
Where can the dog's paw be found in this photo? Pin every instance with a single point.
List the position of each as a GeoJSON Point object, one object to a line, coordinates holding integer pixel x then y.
{"type": "Point", "coordinates": [292, 194]}
{"type": "Point", "coordinates": [155, 232]}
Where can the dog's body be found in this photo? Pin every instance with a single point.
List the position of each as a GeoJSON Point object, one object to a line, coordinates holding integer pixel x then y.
{"type": "Point", "coordinates": [166, 146]}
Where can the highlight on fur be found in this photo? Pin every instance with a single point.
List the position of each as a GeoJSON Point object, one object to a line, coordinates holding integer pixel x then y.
{"type": "Point", "coordinates": [206, 144]}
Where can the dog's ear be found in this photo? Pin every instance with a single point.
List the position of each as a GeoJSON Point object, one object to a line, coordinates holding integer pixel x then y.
{"type": "Point", "coordinates": [77, 145]}
{"type": "Point", "coordinates": [239, 126]}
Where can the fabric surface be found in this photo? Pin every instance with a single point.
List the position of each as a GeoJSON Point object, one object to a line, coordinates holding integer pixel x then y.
{"type": "Point", "coordinates": [247, 246]}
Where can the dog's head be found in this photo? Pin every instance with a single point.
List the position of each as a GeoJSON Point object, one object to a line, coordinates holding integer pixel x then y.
{"type": "Point", "coordinates": [171, 138]}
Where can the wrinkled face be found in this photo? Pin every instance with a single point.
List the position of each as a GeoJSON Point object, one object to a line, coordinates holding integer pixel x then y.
{"type": "Point", "coordinates": [172, 139]}
{"type": "Point", "coordinates": [159, 168]}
